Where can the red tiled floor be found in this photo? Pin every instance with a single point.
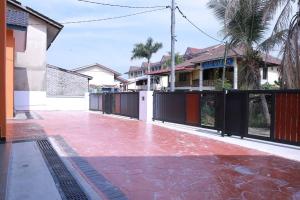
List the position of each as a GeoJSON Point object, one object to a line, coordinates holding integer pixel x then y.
{"type": "Point", "coordinates": [151, 162]}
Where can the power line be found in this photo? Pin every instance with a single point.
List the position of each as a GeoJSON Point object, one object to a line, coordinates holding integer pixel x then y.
{"type": "Point", "coordinates": [112, 18]}
{"type": "Point", "coordinates": [109, 18]}
{"type": "Point", "coordinates": [121, 6]}
{"type": "Point", "coordinates": [193, 24]}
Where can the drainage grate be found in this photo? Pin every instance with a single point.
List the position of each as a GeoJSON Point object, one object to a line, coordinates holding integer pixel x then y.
{"type": "Point", "coordinates": [67, 185]}
{"type": "Point", "coordinates": [111, 191]}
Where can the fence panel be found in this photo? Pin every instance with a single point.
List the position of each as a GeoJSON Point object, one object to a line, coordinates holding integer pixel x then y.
{"type": "Point", "coordinates": [260, 115]}
{"type": "Point", "coordinates": [236, 113]}
{"type": "Point", "coordinates": [117, 104]}
{"type": "Point", "coordinates": [174, 107]}
{"type": "Point", "coordinates": [287, 117]}
{"type": "Point", "coordinates": [96, 102]}
{"type": "Point", "coordinates": [192, 107]}
{"type": "Point", "coordinates": [158, 106]}
{"type": "Point", "coordinates": [202, 109]}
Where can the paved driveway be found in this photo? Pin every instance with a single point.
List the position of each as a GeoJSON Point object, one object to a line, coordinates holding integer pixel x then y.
{"type": "Point", "coordinates": [151, 162]}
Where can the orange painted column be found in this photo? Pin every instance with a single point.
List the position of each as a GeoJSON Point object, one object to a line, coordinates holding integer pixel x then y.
{"type": "Point", "coordinates": [10, 51]}
{"type": "Point", "coordinates": [2, 69]}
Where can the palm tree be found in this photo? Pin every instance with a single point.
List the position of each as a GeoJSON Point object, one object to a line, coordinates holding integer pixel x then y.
{"type": "Point", "coordinates": [146, 51]}
{"type": "Point", "coordinates": [285, 35]}
{"type": "Point", "coordinates": [244, 25]}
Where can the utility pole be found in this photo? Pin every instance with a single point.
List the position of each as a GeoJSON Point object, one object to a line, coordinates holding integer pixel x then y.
{"type": "Point", "coordinates": [173, 40]}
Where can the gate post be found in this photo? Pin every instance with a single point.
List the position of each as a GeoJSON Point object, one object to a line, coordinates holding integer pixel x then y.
{"type": "Point", "coordinates": [224, 113]}
{"type": "Point", "coordinates": [146, 106]}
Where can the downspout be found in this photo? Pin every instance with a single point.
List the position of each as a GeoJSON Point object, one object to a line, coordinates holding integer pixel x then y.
{"type": "Point", "coordinates": [2, 70]}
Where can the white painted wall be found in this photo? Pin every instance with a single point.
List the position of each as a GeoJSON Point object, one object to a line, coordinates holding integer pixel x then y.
{"type": "Point", "coordinates": [100, 76]}
{"type": "Point", "coordinates": [273, 75]}
{"type": "Point", "coordinates": [35, 100]}
{"type": "Point", "coordinates": [132, 86]}
{"type": "Point", "coordinates": [34, 56]}
{"type": "Point", "coordinates": [146, 106]}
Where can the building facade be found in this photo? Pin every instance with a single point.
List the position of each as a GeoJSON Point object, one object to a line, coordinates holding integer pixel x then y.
{"type": "Point", "coordinates": [29, 36]}
{"type": "Point", "coordinates": [202, 69]}
{"type": "Point", "coordinates": [104, 78]}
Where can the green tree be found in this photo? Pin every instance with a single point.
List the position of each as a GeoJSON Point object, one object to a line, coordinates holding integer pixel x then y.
{"type": "Point", "coordinates": [146, 51]}
{"type": "Point", "coordinates": [285, 36]}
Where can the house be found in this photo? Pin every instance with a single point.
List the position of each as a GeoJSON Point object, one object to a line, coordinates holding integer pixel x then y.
{"type": "Point", "coordinates": [104, 78]}
{"type": "Point", "coordinates": [137, 76]}
{"type": "Point", "coordinates": [202, 67]}
{"type": "Point", "coordinates": [28, 37]}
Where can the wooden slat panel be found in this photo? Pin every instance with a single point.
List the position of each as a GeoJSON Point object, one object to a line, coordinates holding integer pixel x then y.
{"type": "Point", "coordinates": [117, 103]}
{"type": "Point", "coordinates": [288, 119]}
{"type": "Point", "coordinates": [284, 117]}
{"type": "Point", "coordinates": [277, 116]}
{"type": "Point", "coordinates": [298, 118]}
{"type": "Point", "coordinates": [294, 116]}
{"type": "Point", "coordinates": [192, 109]}
{"type": "Point", "coordinates": [278, 121]}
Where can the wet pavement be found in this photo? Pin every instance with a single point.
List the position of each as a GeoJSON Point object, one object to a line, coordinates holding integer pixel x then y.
{"type": "Point", "coordinates": [150, 162]}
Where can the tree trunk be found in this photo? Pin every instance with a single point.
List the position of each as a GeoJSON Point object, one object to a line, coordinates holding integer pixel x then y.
{"type": "Point", "coordinates": [148, 77]}
{"type": "Point", "coordinates": [265, 109]}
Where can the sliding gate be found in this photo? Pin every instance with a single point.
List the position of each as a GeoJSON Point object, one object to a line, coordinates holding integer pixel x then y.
{"type": "Point", "coordinates": [272, 115]}
{"type": "Point", "coordinates": [202, 109]}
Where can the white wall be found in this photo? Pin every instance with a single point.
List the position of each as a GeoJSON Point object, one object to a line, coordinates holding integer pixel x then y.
{"type": "Point", "coordinates": [100, 76]}
{"type": "Point", "coordinates": [273, 75]}
{"type": "Point", "coordinates": [35, 100]}
{"type": "Point", "coordinates": [34, 56]}
{"type": "Point", "coordinates": [30, 65]}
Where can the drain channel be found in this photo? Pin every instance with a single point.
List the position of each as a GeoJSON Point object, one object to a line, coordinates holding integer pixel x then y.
{"type": "Point", "coordinates": [67, 185]}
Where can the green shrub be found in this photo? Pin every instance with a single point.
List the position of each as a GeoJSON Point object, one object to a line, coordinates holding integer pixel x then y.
{"type": "Point", "coordinates": [227, 84]}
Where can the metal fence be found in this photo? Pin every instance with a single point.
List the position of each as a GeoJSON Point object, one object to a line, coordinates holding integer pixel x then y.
{"type": "Point", "coordinates": [125, 104]}
{"type": "Point", "coordinates": [272, 115]}
{"type": "Point", "coordinates": [203, 109]}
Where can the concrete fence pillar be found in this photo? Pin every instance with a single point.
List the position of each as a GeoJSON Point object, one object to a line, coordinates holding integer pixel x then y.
{"type": "Point", "coordinates": [235, 74]}
{"type": "Point", "coordinates": [200, 79]}
{"type": "Point", "coordinates": [146, 106]}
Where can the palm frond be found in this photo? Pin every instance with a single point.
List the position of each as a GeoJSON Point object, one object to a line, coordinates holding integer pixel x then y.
{"type": "Point", "coordinates": [277, 39]}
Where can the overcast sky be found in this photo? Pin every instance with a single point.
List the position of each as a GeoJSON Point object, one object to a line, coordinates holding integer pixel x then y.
{"type": "Point", "coordinates": [110, 42]}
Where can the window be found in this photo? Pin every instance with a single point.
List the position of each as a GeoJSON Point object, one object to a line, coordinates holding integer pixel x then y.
{"type": "Point", "coordinates": [265, 73]}
{"type": "Point", "coordinates": [183, 77]}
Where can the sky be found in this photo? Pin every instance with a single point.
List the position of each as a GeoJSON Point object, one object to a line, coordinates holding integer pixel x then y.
{"type": "Point", "coordinates": [110, 43]}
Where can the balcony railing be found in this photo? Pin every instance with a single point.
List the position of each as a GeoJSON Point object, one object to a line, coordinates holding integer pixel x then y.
{"type": "Point", "coordinates": [183, 84]}
{"type": "Point", "coordinates": [195, 83]}
{"type": "Point", "coordinates": [209, 83]}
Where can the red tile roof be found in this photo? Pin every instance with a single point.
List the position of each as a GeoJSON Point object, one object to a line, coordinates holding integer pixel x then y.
{"type": "Point", "coordinates": [217, 52]}
{"type": "Point", "coordinates": [168, 70]}
{"type": "Point", "coordinates": [191, 50]}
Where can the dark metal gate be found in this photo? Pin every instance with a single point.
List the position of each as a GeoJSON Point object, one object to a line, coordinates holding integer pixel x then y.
{"type": "Point", "coordinates": [125, 104]}
{"type": "Point", "coordinates": [202, 109]}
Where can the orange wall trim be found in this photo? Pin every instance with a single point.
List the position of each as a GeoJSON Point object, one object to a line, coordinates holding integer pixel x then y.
{"type": "Point", "coordinates": [10, 49]}
{"type": "Point", "coordinates": [2, 69]}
